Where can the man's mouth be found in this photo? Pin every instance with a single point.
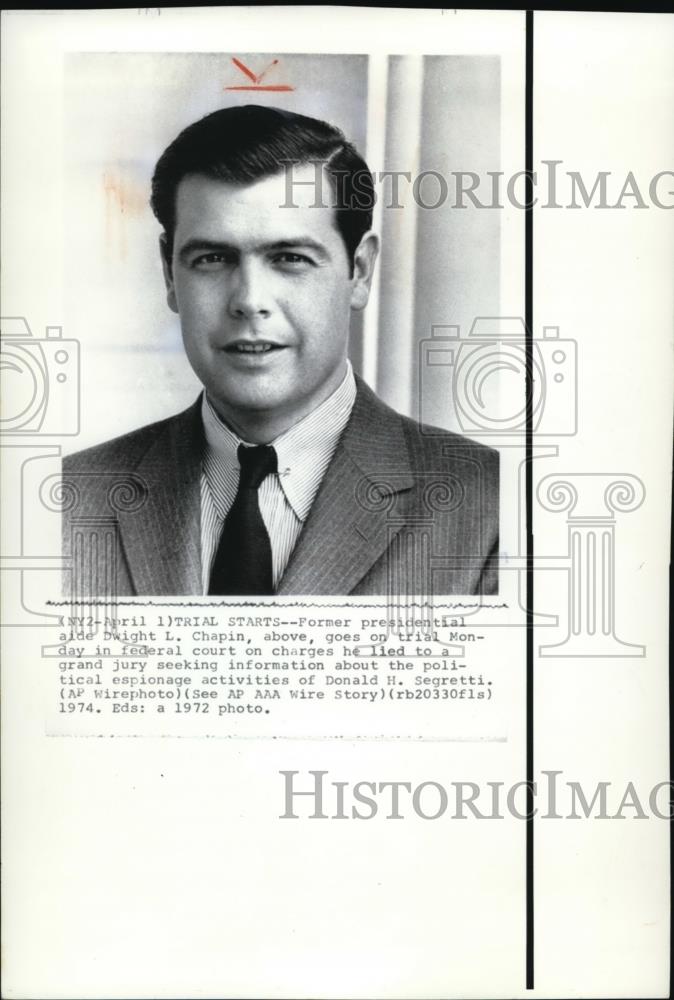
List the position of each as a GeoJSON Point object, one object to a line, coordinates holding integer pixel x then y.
{"type": "Point", "coordinates": [250, 347]}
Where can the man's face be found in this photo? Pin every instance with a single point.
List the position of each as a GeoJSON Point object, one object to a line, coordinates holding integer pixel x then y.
{"type": "Point", "coordinates": [264, 294]}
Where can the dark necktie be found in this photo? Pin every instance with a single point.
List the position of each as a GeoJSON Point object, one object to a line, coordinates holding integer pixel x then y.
{"type": "Point", "coordinates": [243, 562]}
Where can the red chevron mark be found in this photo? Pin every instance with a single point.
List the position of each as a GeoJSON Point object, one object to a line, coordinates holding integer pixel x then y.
{"type": "Point", "coordinates": [256, 79]}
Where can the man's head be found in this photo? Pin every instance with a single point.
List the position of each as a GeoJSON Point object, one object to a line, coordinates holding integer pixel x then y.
{"type": "Point", "coordinates": [242, 145]}
{"type": "Point", "coordinates": [264, 285]}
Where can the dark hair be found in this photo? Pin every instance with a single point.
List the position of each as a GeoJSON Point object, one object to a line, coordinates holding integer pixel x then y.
{"type": "Point", "coordinates": [241, 145]}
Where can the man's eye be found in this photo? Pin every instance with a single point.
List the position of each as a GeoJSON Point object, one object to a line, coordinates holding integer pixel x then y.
{"type": "Point", "coordinates": [291, 259]}
{"type": "Point", "coordinates": [209, 260]}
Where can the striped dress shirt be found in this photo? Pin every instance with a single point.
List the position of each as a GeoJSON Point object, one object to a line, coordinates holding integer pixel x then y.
{"type": "Point", "coordinates": [304, 453]}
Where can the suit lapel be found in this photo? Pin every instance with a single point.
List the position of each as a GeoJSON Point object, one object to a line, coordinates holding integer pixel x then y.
{"type": "Point", "coordinates": [162, 540]}
{"type": "Point", "coordinates": [360, 506]}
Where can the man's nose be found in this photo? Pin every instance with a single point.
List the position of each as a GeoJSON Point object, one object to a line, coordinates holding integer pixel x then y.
{"type": "Point", "coordinates": [249, 292]}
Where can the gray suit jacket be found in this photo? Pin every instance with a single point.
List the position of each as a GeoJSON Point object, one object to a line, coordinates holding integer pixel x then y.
{"type": "Point", "coordinates": [402, 509]}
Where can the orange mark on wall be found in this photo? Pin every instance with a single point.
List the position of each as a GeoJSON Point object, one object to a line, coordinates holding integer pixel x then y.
{"type": "Point", "coordinates": [257, 78]}
{"type": "Point", "coordinates": [124, 200]}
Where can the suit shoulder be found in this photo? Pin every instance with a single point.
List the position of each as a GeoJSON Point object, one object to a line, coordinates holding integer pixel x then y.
{"type": "Point", "coordinates": [436, 441]}
{"type": "Point", "coordinates": [476, 466]}
{"type": "Point", "coordinates": [123, 452]}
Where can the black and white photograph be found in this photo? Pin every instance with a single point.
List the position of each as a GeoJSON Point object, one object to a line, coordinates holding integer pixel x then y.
{"type": "Point", "coordinates": [351, 487]}
{"type": "Point", "coordinates": [336, 457]}
{"type": "Point", "coordinates": [337, 493]}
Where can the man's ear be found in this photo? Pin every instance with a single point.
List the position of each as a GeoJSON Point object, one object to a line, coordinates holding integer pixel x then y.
{"type": "Point", "coordinates": [363, 269]}
{"type": "Point", "coordinates": [165, 254]}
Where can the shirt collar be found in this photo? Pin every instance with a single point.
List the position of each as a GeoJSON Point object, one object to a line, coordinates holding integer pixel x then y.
{"type": "Point", "coordinates": [304, 451]}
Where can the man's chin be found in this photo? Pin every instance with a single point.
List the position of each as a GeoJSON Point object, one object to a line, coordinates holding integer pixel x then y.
{"type": "Point", "coordinates": [244, 409]}
{"type": "Point", "coordinates": [259, 419]}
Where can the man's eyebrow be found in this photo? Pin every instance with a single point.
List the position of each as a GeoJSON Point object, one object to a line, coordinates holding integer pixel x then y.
{"type": "Point", "coordinates": [298, 243]}
{"type": "Point", "coordinates": [198, 245]}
